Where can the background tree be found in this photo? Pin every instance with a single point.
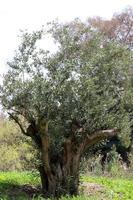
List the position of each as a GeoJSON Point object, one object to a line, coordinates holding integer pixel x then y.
{"type": "Point", "coordinates": [70, 100]}
{"type": "Point", "coordinates": [119, 28]}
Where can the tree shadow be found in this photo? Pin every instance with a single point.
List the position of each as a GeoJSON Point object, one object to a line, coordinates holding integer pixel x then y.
{"type": "Point", "coordinates": [12, 191]}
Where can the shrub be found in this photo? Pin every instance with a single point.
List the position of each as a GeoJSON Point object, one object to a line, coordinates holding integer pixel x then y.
{"type": "Point", "coordinates": [15, 151]}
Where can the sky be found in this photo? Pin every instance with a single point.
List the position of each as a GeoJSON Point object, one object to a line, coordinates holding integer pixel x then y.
{"type": "Point", "coordinates": [16, 15]}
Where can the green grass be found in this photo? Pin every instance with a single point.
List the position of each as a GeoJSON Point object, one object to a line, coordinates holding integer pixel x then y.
{"type": "Point", "coordinates": [116, 188]}
{"type": "Point", "coordinates": [19, 178]}
{"type": "Point", "coordinates": [13, 183]}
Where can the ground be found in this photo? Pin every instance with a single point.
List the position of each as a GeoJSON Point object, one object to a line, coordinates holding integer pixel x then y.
{"type": "Point", "coordinates": [90, 189]}
{"type": "Point", "coordinates": [25, 186]}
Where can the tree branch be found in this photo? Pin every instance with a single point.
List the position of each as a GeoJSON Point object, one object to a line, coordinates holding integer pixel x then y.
{"type": "Point", "coordinates": [98, 136]}
{"type": "Point", "coordinates": [128, 32]}
{"type": "Point", "coordinates": [19, 124]}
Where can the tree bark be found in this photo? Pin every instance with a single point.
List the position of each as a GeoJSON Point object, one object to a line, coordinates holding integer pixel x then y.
{"type": "Point", "coordinates": [60, 177]}
{"type": "Point", "coordinates": [98, 136]}
{"type": "Point", "coordinates": [49, 185]}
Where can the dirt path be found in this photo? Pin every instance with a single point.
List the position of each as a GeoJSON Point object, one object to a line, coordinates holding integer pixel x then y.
{"type": "Point", "coordinates": [91, 188]}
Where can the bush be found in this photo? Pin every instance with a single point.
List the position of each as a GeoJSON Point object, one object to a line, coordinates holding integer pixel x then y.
{"type": "Point", "coordinates": [16, 152]}
{"type": "Point", "coordinates": [112, 166]}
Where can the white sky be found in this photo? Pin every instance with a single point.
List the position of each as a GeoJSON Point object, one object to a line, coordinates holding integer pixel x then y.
{"type": "Point", "coordinates": [31, 14]}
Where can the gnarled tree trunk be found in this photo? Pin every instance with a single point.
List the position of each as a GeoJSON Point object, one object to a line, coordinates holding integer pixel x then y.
{"type": "Point", "coordinates": [60, 174]}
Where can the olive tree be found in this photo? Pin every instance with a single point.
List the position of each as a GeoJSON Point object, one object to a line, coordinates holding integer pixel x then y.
{"type": "Point", "coordinates": [69, 100]}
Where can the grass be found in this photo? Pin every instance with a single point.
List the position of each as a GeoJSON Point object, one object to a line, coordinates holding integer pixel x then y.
{"type": "Point", "coordinates": [19, 178]}
{"type": "Point", "coordinates": [22, 185]}
{"type": "Point", "coordinates": [14, 184]}
{"type": "Point", "coordinates": [116, 188]}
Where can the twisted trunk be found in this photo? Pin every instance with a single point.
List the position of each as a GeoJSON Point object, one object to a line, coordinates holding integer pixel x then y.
{"type": "Point", "coordinates": [60, 176]}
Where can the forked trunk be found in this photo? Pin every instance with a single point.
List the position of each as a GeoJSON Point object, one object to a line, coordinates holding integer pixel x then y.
{"type": "Point", "coordinates": [62, 179]}
{"type": "Point", "coordinates": [60, 173]}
